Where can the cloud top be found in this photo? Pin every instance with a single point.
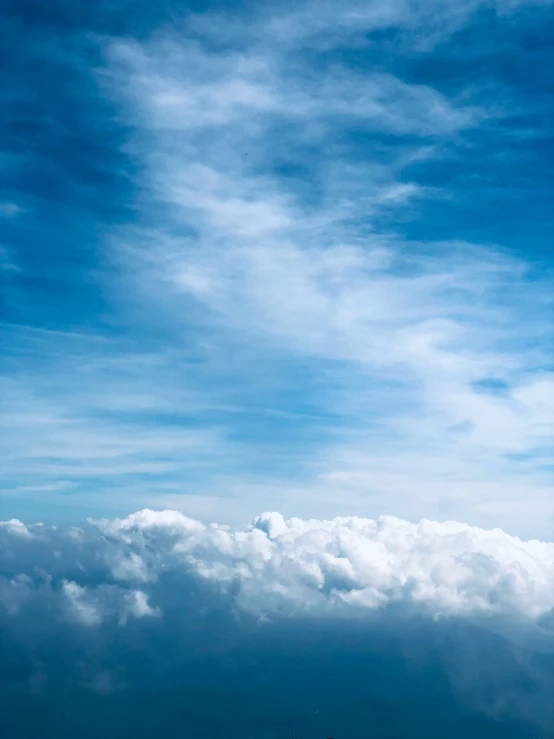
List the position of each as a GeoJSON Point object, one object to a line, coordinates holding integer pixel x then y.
{"type": "Point", "coordinates": [346, 566]}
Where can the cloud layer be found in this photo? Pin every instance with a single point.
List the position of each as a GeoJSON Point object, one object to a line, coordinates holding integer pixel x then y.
{"type": "Point", "coordinates": [341, 566]}
{"type": "Point", "coordinates": [157, 601]}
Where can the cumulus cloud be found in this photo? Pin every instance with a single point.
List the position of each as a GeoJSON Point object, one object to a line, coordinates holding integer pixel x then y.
{"type": "Point", "coordinates": [274, 566]}
{"type": "Point", "coordinates": [321, 566]}
{"type": "Point", "coordinates": [182, 595]}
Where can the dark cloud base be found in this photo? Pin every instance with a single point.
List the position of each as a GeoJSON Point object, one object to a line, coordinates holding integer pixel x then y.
{"type": "Point", "coordinates": [203, 670]}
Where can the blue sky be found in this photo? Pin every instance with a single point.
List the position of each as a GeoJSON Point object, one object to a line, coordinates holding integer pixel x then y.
{"type": "Point", "coordinates": [292, 256]}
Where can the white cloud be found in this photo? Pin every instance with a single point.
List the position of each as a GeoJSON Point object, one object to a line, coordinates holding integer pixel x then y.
{"type": "Point", "coordinates": [90, 606]}
{"type": "Point", "coordinates": [81, 605]}
{"type": "Point", "coordinates": [324, 568]}
{"type": "Point", "coordinates": [16, 528]}
{"type": "Point", "coordinates": [266, 269]}
{"type": "Point", "coordinates": [451, 568]}
{"type": "Point", "coordinates": [137, 606]}
{"type": "Point", "coordinates": [207, 591]}
{"type": "Point", "coordinates": [324, 276]}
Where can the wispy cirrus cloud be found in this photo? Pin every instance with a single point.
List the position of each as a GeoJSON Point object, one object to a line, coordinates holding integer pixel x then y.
{"type": "Point", "coordinates": [414, 329]}
{"type": "Point", "coordinates": [285, 295]}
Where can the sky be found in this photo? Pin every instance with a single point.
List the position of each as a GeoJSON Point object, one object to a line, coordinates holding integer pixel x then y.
{"type": "Point", "coordinates": [284, 256]}
{"type": "Point", "coordinates": [277, 378]}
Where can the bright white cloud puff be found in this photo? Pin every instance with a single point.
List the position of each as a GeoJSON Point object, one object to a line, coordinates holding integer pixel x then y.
{"type": "Point", "coordinates": [342, 566]}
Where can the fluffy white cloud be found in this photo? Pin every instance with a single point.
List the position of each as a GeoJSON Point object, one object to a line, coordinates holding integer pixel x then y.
{"type": "Point", "coordinates": [340, 567]}
{"type": "Point", "coordinates": [395, 608]}
{"type": "Point", "coordinates": [320, 566]}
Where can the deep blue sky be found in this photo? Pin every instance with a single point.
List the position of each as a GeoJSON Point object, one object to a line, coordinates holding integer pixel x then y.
{"type": "Point", "coordinates": [291, 256]}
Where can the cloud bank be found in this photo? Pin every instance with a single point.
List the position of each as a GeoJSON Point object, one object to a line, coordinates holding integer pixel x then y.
{"type": "Point", "coordinates": [316, 626]}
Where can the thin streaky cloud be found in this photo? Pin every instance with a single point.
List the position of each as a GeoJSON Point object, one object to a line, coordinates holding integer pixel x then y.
{"type": "Point", "coordinates": [298, 277]}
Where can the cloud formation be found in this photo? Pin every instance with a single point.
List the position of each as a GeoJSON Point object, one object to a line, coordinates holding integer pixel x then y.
{"type": "Point", "coordinates": [302, 258]}
{"type": "Point", "coordinates": [273, 566]}
{"type": "Point", "coordinates": [286, 257]}
{"type": "Point", "coordinates": [158, 601]}
{"type": "Point", "coordinates": [295, 259]}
